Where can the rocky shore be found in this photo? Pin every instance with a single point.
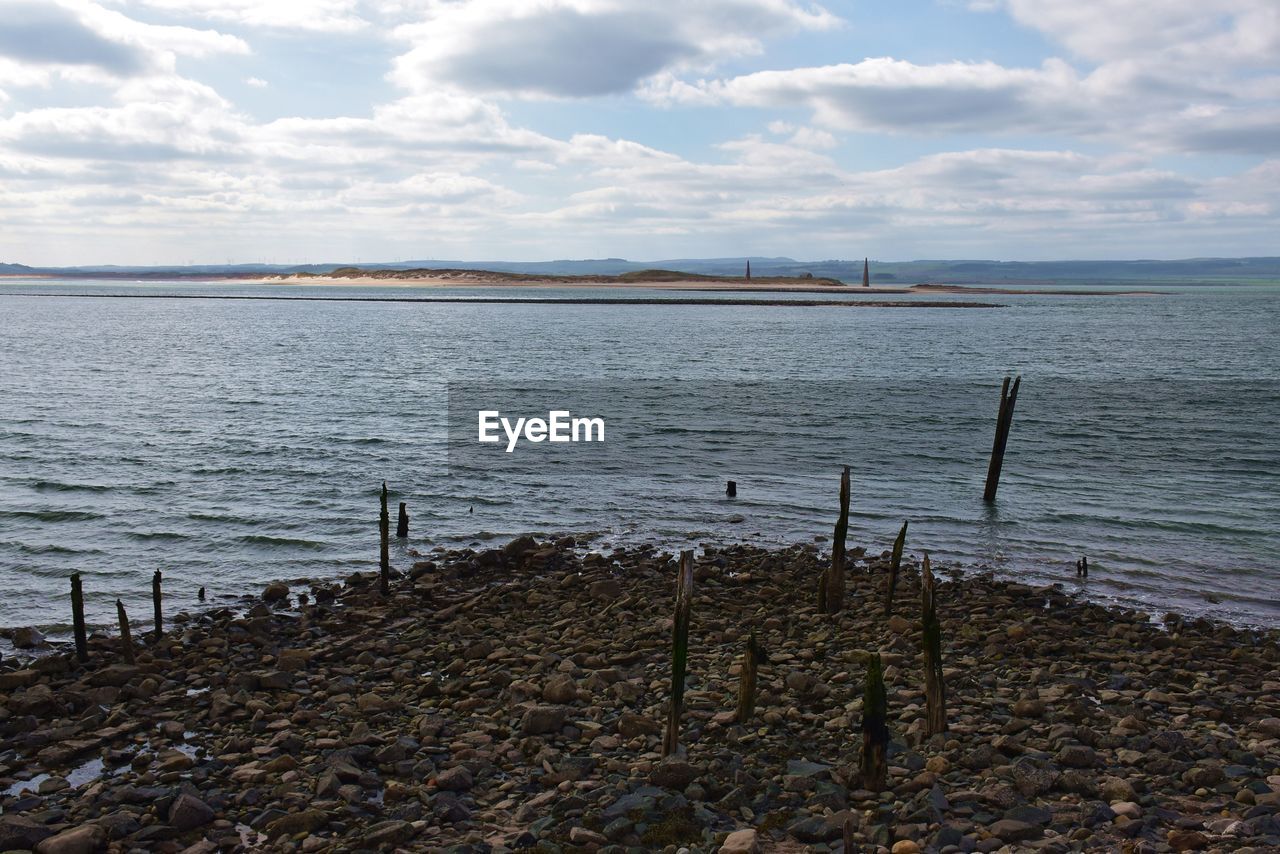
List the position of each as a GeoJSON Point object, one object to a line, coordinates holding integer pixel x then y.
{"type": "Point", "coordinates": [513, 699]}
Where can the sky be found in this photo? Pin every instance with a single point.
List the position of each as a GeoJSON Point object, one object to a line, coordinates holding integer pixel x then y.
{"type": "Point", "coordinates": [308, 131]}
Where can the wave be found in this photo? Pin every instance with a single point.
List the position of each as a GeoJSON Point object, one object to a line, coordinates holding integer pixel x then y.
{"type": "Point", "coordinates": [155, 535]}
{"type": "Point", "coordinates": [292, 542]}
{"type": "Point", "coordinates": [52, 515]}
{"type": "Point", "coordinates": [59, 486]}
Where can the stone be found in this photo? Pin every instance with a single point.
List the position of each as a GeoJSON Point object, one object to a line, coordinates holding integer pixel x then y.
{"type": "Point", "coordinates": [1031, 779]}
{"type": "Point", "coordinates": [899, 624]}
{"type": "Point", "coordinates": [605, 590]}
{"type": "Point", "coordinates": [1028, 708]}
{"type": "Point", "coordinates": [276, 591]}
{"type": "Point", "coordinates": [1012, 830]}
{"type": "Point", "coordinates": [518, 547]}
{"type": "Point", "coordinates": [741, 842]}
{"type": "Point", "coordinates": [306, 821]}
{"type": "Point", "coordinates": [85, 839]}
{"type": "Point", "coordinates": [673, 774]}
{"type": "Point", "coordinates": [541, 720]}
{"type": "Point", "coordinates": [1078, 756]}
{"type": "Point", "coordinates": [188, 812]}
{"type": "Point", "coordinates": [905, 846]}
{"type": "Point", "coordinates": [16, 679]}
{"type": "Point", "coordinates": [293, 660]}
{"type": "Point", "coordinates": [1187, 840]}
{"type": "Point", "coordinates": [560, 689]}
{"type": "Point", "coordinates": [27, 637]}
{"type": "Point", "coordinates": [393, 832]}
{"type": "Point", "coordinates": [21, 833]}
{"type": "Point", "coordinates": [455, 779]}
{"type": "Point", "coordinates": [631, 725]}
{"type": "Point", "coordinates": [582, 836]}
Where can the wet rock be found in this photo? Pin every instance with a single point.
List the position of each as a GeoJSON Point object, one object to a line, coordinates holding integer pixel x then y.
{"type": "Point", "coordinates": [80, 840]}
{"type": "Point", "coordinates": [188, 812]}
{"type": "Point", "coordinates": [605, 590]}
{"type": "Point", "coordinates": [391, 832]}
{"type": "Point", "coordinates": [21, 833]}
{"type": "Point", "coordinates": [741, 842]}
{"type": "Point", "coordinates": [456, 779]}
{"type": "Point", "coordinates": [305, 821]}
{"type": "Point", "coordinates": [540, 720]}
{"type": "Point", "coordinates": [27, 638]}
{"type": "Point", "coordinates": [1187, 840]}
{"type": "Point", "coordinates": [673, 774]}
{"type": "Point", "coordinates": [1012, 830]}
{"type": "Point", "coordinates": [276, 591]}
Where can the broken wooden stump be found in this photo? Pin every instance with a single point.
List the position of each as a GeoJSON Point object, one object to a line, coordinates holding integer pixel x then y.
{"type": "Point", "coordinates": [832, 596]}
{"type": "Point", "coordinates": [77, 618]}
{"type": "Point", "coordinates": [155, 603]}
{"type": "Point", "coordinates": [384, 536]}
{"type": "Point", "coordinates": [126, 636]}
{"type": "Point", "coordinates": [731, 489]}
{"type": "Point", "coordinates": [895, 566]}
{"type": "Point", "coordinates": [402, 524]}
{"type": "Point", "coordinates": [875, 730]}
{"type": "Point", "coordinates": [1082, 567]}
{"type": "Point", "coordinates": [1004, 419]}
{"type": "Point", "coordinates": [751, 661]}
{"type": "Point", "coordinates": [679, 650]}
{"type": "Point", "coordinates": [935, 691]}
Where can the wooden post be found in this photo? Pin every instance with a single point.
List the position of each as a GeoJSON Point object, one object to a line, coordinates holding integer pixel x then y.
{"type": "Point", "coordinates": [1008, 397]}
{"type": "Point", "coordinates": [751, 661]}
{"type": "Point", "coordinates": [833, 600]}
{"type": "Point", "coordinates": [866, 274]}
{"type": "Point", "coordinates": [935, 691]}
{"type": "Point", "coordinates": [402, 524]}
{"type": "Point", "coordinates": [1082, 567]}
{"type": "Point", "coordinates": [679, 651]}
{"type": "Point", "coordinates": [126, 637]}
{"type": "Point", "coordinates": [895, 564]}
{"type": "Point", "coordinates": [77, 617]}
{"type": "Point", "coordinates": [875, 730]}
{"type": "Point", "coordinates": [384, 533]}
{"type": "Point", "coordinates": [731, 489]}
{"type": "Point", "coordinates": [155, 601]}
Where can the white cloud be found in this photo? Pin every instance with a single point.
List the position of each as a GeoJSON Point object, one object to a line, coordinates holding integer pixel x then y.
{"type": "Point", "coordinates": [337, 16]}
{"type": "Point", "coordinates": [581, 48]}
{"type": "Point", "coordinates": [255, 82]}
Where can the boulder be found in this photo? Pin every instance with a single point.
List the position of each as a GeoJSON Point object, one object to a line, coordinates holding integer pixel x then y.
{"type": "Point", "coordinates": [188, 812]}
{"type": "Point", "coordinates": [85, 839]}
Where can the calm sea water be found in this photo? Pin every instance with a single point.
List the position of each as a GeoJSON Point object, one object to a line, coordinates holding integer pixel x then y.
{"type": "Point", "coordinates": [232, 442]}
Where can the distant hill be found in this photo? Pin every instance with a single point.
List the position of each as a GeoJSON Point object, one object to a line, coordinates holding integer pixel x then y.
{"type": "Point", "coordinates": [959, 272]}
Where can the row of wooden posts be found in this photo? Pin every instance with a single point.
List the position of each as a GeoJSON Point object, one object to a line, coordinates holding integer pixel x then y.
{"type": "Point", "coordinates": [831, 588]}
{"type": "Point", "coordinates": [126, 635]}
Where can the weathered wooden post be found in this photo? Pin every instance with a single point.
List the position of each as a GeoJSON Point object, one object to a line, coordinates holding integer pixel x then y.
{"type": "Point", "coordinates": [1082, 567]}
{"type": "Point", "coordinates": [895, 565]}
{"type": "Point", "coordinates": [866, 273]}
{"type": "Point", "coordinates": [751, 662]}
{"type": "Point", "coordinates": [384, 532]}
{"type": "Point", "coordinates": [126, 636]}
{"type": "Point", "coordinates": [835, 576]}
{"type": "Point", "coordinates": [77, 618]}
{"type": "Point", "coordinates": [875, 730]}
{"type": "Point", "coordinates": [402, 524]}
{"type": "Point", "coordinates": [1008, 397]}
{"type": "Point", "coordinates": [731, 489]}
{"type": "Point", "coordinates": [679, 650]}
{"type": "Point", "coordinates": [935, 691]}
{"type": "Point", "coordinates": [155, 602]}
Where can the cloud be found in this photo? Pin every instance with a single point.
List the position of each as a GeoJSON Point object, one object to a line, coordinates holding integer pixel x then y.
{"type": "Point", "coordinates": [335, 16]}
{"type": "Point", "coordinates": [582, 48]}
{"type": "Point", "coordinates": [48, 34]}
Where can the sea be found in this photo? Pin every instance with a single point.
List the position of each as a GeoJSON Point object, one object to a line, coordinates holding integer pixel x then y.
{"type": "Point", "coordinates": [229, 440]}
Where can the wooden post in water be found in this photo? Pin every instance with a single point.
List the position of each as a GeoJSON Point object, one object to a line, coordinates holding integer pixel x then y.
{"type": "Point", "coordinates": [679, 651]}
{"type": "Point", "coordinates": [866, 273]}
{"type": "Point", "coordinates": [402, 524]}
{"type": "Point", "coordinates": [751, 662]}
{"type": "Point", "coordinates": [1082, 567]}
{"type": "Point", "coordinates": [895, 564]}
{"type": "Point", "coordinates": [875, 730]}
{"type": "Point", "coordinates": [384, 533]}
{"type": "Point", "coordinates": [77, 617]}
{"type": "Point", "coordinates": [155, 601]}
{"type": "Point", "coordinates": [126, 636]}
{"type": "Point", "coordinates": [935, 691]}
{"type": "Point", "coordinates": [731, 489]}
{"type": "Point", "coordinates": [833, 600]}
{"type": "Point", "coordinates": [1008, 397]}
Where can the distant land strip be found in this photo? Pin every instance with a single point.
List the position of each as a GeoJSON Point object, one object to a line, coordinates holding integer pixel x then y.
{"type": "Point", "coordinates": [803, 303]}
